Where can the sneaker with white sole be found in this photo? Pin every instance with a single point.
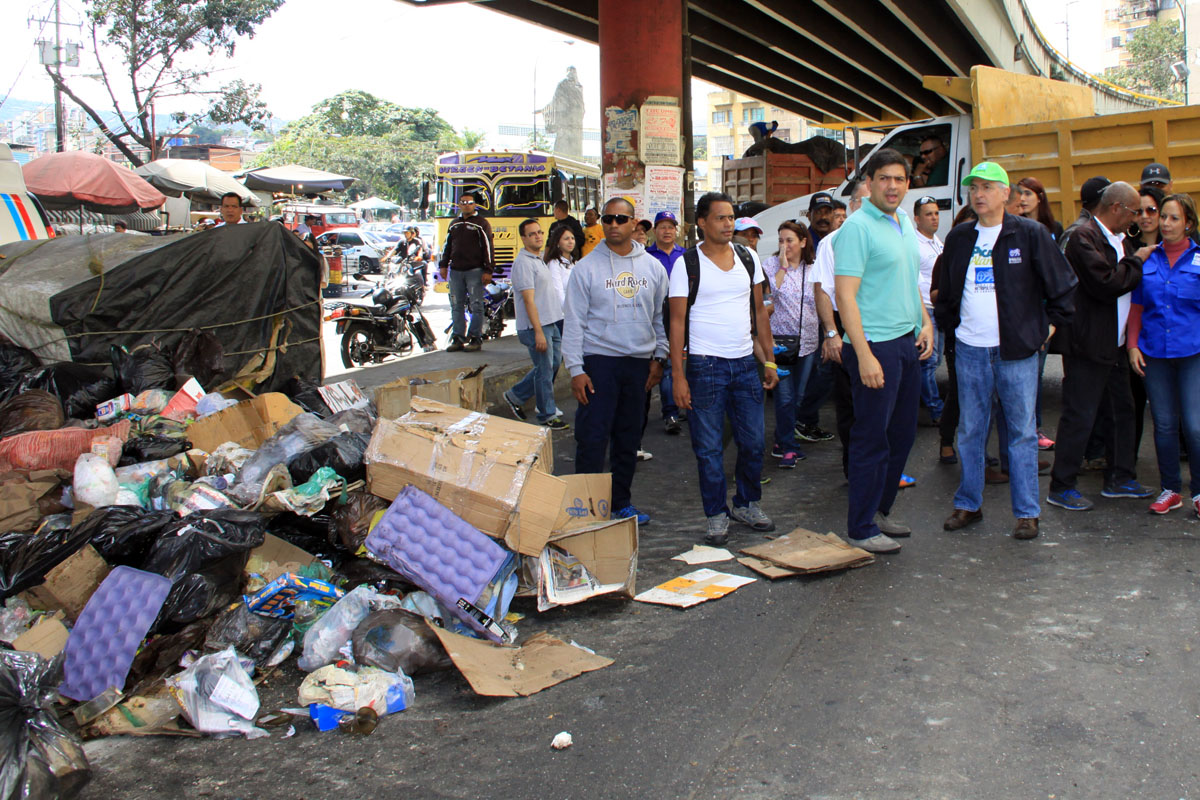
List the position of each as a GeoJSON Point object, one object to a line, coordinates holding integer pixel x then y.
{"type": "Point", "coordinates": [718, 531]}
{"type": "Point", "coordinates": [1167, 501]}
{"type": "Point", "coordinates": [644, 455]}
{"type": "Point", "coordinates": [891, 527]}
{"type": "Point", "coordinates": [1196, 504]}
{"type": "Point", "coordinates": [516, 408]}
{"type": "Point", "coordinates": [753, 516]}
{"type": "Point", "coordinates": [877, 544]}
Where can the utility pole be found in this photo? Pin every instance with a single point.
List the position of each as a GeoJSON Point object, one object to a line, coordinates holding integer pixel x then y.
{"type": "Point", "coordinates": [56, 63]}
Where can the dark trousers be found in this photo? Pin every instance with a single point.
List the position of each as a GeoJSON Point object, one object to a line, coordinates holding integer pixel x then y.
{"type": "Point", "coordinates": [1087, 387]}
{"type": "Point", "coordinates": [612, 420]}
{"type": "Point", "coordinates": [885, 427]}
{"type": "Point", "coordinates": [843, 401]}
{"type": "Point", "coordinates": [949, 424]}
{"type": "Point", "coordinates": [816, 391]}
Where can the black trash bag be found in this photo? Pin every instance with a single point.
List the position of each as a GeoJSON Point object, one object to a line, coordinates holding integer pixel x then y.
{"type": "Point", "coordinates": [203, 554]}
{"type": "Point", "coordinates": [356, 571]}
{"type": "Point", "coordinates": [35, 410]}
{"type": "Point", "coordinates": [304, 394]}
{"type": "Point", "coordinates": [151, 447]}
{"type": "Point", "coordinates": [350, 523]}
{"type": "Point", "coordinates": [25, 558]}
{"type": "Point", "coordinates": [200, 356]}
{"type": "Point", "coordinates": [344, 453]}
{"type": "Point", "coordinates": [123, 535]}
{"type": "Point", "coordinates": [143, 368]}
{"type": "Point", "coordinates": [78, 387]}
{"type": "Point", "coordinates": [355, 420]}
{"type": "Point", "coordinates": [252, 635]}
{"type": "Point", "coordinates": [159, 656]}
{"type": "Point", "coordinates": [39, 759]}
{"type": "Point", "coordinates": [14, 361]}
{"type": "Point", "coordinates": [308, 533]}
{"type": "Point", "coordinates": [395, 639]}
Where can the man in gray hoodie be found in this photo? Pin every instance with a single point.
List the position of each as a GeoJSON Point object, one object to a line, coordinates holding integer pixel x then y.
{"type": "Point", "coordinates": [614, 345]}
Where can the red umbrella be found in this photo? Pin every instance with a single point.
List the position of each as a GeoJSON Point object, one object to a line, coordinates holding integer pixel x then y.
{"type": "Point", "coordinates": [76, 179]}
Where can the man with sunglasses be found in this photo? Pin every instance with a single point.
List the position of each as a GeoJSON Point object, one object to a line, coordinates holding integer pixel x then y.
{"type": "Point", "coordinates": [467, 260]}
{"type": "Point", "coordinates": [1095, 368]}
{"type": "Point", "coordinates": [932, 167]}
{"type": "Point", "coordinates": [614, 345]}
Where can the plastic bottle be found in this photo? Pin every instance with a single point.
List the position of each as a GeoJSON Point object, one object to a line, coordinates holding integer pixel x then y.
{"type": "Point", "coordinates": [307, 612]}
{"type": "Point", "coordinates": [362, 723]}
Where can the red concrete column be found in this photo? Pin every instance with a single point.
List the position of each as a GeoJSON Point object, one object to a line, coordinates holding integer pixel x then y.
{"type": "Point", "coordinates": [641, 54]}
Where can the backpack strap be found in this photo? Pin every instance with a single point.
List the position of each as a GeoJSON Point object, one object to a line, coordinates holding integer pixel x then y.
{"type": "Point", "coordinates": [748, 263]}
{"type": "Point", "coordinates": [691, 264]}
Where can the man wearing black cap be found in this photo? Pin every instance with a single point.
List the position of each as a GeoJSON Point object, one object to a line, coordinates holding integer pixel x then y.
{"type": "Point", "coordinates": [1089, 198]}
{"type": "Point", "coordinates": [1156, 175]}
{"type": "Point", "coordinates": [820, 216]}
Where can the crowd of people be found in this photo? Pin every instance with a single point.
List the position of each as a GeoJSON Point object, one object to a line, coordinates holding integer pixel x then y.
{"type": "Point", "coordinates": [862, 302]}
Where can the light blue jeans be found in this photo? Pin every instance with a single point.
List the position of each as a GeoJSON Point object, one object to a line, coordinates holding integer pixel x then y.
{"type": "Point", "coordinates": [539, 381]}
{"type": "Point", "coordinates": [788, 395]}
{"type": "Point", "coordinates": [982, 374]}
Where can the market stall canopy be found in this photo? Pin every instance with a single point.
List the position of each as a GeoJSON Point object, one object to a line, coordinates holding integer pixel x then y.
{"type": "Point", "coordinates": [75, 178]}
{"type": "Point", "coordinates": [256, 287]}
{"type": "Point", "coordinates": [196, 179]}
{"type": "Point", "coordinates": [375, 204]}
{"type": "Point", "coordinates": [295, 179]}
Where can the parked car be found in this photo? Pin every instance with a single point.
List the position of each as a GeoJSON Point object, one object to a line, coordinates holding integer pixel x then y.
{"type": "Point", "coordinates": [21, 215]}
{"type": "Point", "coordinates": [361, 250]}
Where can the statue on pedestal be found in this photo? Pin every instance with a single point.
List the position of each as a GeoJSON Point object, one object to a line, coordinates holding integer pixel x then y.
{"type": "Point", "coordinates": [564, 115]}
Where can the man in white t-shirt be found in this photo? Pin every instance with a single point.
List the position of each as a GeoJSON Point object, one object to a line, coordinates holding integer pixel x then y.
{"type": "Point", "coordinates": [1003, 288]}
{"type": "Point", "coordinates": [716, 311]}
{"type": "Point", "coordinates": [927, 217]}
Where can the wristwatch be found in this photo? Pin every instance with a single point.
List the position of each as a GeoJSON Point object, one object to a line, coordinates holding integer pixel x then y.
{"type": "Point", "coordinates": [662, 362]}
{"type": "Point", "coordinates": [830, 334]}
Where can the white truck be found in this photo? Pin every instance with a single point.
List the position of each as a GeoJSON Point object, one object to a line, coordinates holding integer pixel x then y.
{"type": "Point", "coordinates": [21, 216]}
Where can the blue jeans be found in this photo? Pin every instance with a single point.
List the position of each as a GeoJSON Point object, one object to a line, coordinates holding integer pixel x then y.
{"type": "Point", "coordinates": [1173, 386]}
{"type": "Point", "coordinates": [982, 374]}
{"type": "Point", "coordinates": [539, 381]}
{"type": "Point", "coordinates": [466, 285]}
{"type": "Point", "coordinates": [665, 393]}
{"type": "Point", "coordinates": [720, 387]}
{"type": "Point", "coordinates": [788, 395]}
{"type": "Point", "coordinates": [885, 427]}
{"type": "Point", "coordinates": [929, 388]}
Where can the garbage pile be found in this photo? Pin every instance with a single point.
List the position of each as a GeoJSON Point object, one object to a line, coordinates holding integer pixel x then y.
{"type": "Point", "coordinates": [165, 549]}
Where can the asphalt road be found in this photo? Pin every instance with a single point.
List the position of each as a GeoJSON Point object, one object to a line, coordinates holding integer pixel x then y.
{"type": "Point", "coordinates": [969, 665]}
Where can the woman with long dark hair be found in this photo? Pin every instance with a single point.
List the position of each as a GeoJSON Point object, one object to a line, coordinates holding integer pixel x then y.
{"type": "Point", "coordinates": [1035, 205]}
{"type": "Point", "coordinates": [1145, 224]}
{"type": "Point", "coordinates": [560, 255]}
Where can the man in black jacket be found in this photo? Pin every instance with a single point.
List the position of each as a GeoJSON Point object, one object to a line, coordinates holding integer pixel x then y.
{"type": "Point", "coordinates": [1003, 288]}
{"type": "Point", "coordinates": [466, 260]}
{"type": "Point", "coordinates": [563, 217]}
{"type": "Point", "coordinates": [1095, 368]}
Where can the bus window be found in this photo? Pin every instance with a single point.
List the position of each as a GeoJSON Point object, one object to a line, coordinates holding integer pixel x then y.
{"type": "Point", "coordinates": [448, 193]}
{"type": "Point", "coordinates": [560, 185]}
{"type": "Point", "coordinates": [516, 197]}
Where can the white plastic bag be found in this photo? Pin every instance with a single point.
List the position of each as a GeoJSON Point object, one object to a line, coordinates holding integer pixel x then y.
{"type": "Point", "coordinates": [332, 632]}
{"type": "Point", "coordinates": [218, 696]}
{"type": "Point", "coordinates": [95, 481]}
{"type": "Point", "coordinates": [383, 692]}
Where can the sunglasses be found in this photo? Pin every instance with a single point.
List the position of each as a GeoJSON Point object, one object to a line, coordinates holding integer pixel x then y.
{"type": "Point", "coordinates": [615, 219]}
{"type": "Point", "coordinates": [926, 199]}
{"type": "Point", "coordinates": [1148, 210]}
{"type": "Point", "coordinates": [927, 152]}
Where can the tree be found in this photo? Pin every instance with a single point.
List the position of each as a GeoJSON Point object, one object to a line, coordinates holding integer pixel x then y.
{"type": "Point", "coordinates": [156, 40]}
{"type": "Point", "coordinates": [468, 139]}
{"type": "Point", "coordinates": [388, 148]}
{"type": "Point", "coordinates": [1153, 48]}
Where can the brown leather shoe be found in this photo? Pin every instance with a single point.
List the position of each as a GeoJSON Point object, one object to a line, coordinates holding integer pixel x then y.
{"type": "Point", "coordinates": [1027, 528]}
{"type": "Point", "coordinates": [994, 475]}
{"type": "Point", "coordinates": [1043, 466]}
{"type": "Point", "coordinates": [961, 518]}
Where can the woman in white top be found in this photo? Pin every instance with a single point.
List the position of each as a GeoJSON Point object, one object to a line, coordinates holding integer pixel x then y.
{"type": "Point", "coordinates": [795, 316]}
{"type": "Point", "coordinates": [558, 256]}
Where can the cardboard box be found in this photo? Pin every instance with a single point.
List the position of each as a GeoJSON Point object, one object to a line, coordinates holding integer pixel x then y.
{"type": "Point", "coordinates": [249, 423]}
{"type": "Point", "coordinates": [69, 585]}
{"type": "Point", "coordinates": [492, 472]}
{"type": "Point", "coordinates": [276, 556]}
{"type": "Point", "coordinates": [47, 637]}
{"type": "Point", "coordinates": [454, 387]}
{"type": "Point", "coordinates": [502, 671]}
{"type": "Point", "coordinates": [804, 552]}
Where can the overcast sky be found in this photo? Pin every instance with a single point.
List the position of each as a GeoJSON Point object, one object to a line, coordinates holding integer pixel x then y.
{"type": "Point", "coordinates": [446, 57]}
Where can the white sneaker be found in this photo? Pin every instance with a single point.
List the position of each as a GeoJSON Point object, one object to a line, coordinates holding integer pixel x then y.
{"type": "Point", "coordinates": [877, 544]}
{"type": "Point", "coordinates": [891, 527]}
{"type": "Point", "coordinates": [753, 516]}
{"type": "Point", "coordinates": [645, 455]}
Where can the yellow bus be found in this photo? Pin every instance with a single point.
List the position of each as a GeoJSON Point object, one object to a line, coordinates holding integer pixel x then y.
{"type": "Point", "coordinates": [513, 186]}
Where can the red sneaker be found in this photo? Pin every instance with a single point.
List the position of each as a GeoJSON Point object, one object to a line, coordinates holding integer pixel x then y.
{"type": "Point", "coordinates": [1044, 442]}
{"type": "Point", "coordinates": [1167, 501]}
{"type": "Point", "coordinates": [1196, 504]}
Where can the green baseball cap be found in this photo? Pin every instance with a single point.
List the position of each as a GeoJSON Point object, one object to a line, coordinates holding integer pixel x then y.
{"type": "Point", "coordinates": [988, 171]}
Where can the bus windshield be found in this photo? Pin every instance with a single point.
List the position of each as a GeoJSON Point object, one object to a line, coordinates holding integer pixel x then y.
{"type": "Point", "coordinates": [523, 196]}
{"type": "Point", "coordinates": [448, 193]}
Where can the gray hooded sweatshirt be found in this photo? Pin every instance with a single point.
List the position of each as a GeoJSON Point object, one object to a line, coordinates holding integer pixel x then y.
{"type": "Point", "coordinates": [614, 307]}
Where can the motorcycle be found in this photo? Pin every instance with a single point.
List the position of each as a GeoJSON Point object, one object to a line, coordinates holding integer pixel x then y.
{"type": "Point", "coordinates": [413, 286]}
{"type": "Point", "coordinates": [497, 296]}
{"type": "Point", "coordinates": [391, 326]}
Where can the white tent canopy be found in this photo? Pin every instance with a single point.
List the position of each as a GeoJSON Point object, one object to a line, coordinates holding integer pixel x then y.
{"type": "Point", "coordinates": [196, 179]}
{"type": "Point", "coordinates": [375, 204]}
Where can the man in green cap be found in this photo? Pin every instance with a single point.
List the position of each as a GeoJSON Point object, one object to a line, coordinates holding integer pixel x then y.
{"type": "Point", "coordinates": [1003, 289]}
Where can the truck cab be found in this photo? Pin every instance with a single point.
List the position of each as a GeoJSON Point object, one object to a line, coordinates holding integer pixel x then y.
{"type": "Point", "coordinates": [21, 215]}
{"type": "Point", "coordinates": [951, 135]}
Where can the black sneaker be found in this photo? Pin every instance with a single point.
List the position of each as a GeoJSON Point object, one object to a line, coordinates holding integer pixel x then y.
{"type": "Point", "coordinates": [671, 423]}
{"type": "Point", "coordinates": [556, 424]}
{"type": "Point", "coordinates": [473, 345]}
{"type": "Point", "coordinates": [813, 433]}
{"type": "Point", "coordinates": [456, 344]}
{"type": "Point", "coordinates": [516, 409]}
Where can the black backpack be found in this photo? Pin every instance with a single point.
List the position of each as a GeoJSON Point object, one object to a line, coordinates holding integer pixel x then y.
{"type": "Point", "coordinates": [691, 263]}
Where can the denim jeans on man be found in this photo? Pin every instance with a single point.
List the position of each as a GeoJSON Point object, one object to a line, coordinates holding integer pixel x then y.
{"type": "Point", "coordinates": [885, 426]}
{"type": "Point", "coordinates": [612, 420]}
{"type": "Point", "coordinates": [466, 285]}
{"type": "Point", "coordinates": [666, 394]}
{"type": "Point", "coordinates": [1173, 386]}
{"type": "Point", "coordinates": [929, 367]}
{"type": "Point", "coordinates": [788, 396]}
{"type": "Point", "coordinates": [721, 387]}
{"type": "Point", "coordinates": [982, 375]}
{"type": "Point", "coordinates": [539, 381]}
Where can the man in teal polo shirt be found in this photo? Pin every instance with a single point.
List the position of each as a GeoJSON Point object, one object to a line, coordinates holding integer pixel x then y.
{"type": "Point", "coordinates": [876, 280]}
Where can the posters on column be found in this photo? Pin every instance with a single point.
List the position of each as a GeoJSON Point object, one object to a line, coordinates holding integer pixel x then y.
{"type": "Point", "coordinates": [659, 135]}
{"type": "Point", "coordinates": [633, 192]}
{"type": "Point", "coordinates": [664, 191]}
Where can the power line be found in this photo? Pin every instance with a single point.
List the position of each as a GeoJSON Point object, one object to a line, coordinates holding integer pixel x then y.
{"type": "Point", "coordinates": [20, 72]}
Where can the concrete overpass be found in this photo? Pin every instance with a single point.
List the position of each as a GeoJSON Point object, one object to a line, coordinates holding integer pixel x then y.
{"type": "Point", "coordinates": [842, 61]}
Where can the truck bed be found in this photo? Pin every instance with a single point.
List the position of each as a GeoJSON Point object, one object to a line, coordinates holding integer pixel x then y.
{"type": "Point", "coordinates": [772, 178]}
